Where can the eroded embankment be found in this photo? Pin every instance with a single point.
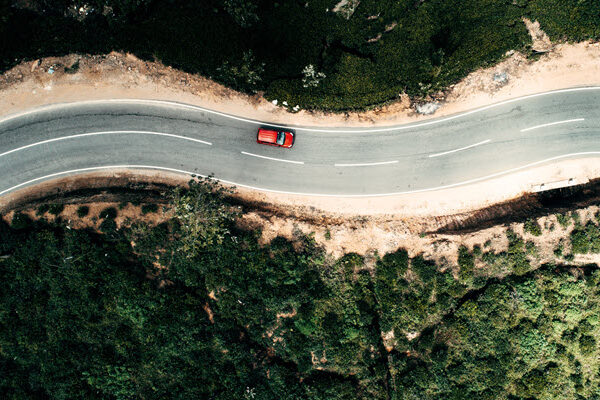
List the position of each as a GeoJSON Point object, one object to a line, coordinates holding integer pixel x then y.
{"type": "Point", "coordinates": [437, 235]}
{"type": "Point", "coordinates": [153, 187]}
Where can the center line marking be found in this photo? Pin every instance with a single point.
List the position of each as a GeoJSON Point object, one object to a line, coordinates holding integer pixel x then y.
{"type": "Point", "coordinates": [271, 158]}
{"type": "Point", "coordinates": [462, 148]}
{"type": "Point", "coordinates": [553, 123]}
{"type": "Point", "coordinates": [367, 164]}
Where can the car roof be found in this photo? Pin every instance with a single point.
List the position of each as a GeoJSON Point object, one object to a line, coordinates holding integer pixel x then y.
{"type": "Point", "coordinates": [267, 135]}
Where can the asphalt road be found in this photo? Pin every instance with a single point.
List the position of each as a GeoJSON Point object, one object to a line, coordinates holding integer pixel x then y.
{"type": "Point", "coordinates": [72, 138]}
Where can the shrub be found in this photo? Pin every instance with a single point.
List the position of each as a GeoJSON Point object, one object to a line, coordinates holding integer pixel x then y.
{"type": "Point", "coordinates": [42, 209]}
{"type": "Point", "coordinates": [587, 344]}
{"type": "Point", "coordinates": [56, 209]}
{"type": "Point", "coordinates": [108, 213]}
{"type": "Point", "coordinates": [558, 251]}
{"type": "Point", "coordinates": [575, 217]}
{"type": "Point", "coordinates": [466, 263]}
{"type": "Point", "coordinates": [149, 208]}
{"type": "Point", "coordinates": [586, 239]}
{"type": "Point", "coordinates": [108, 225]}
{"type": "Point", "coordinates": [532, 226]}
{"type": "Point", "coordinates": [517, 256]}
{"type": "Point", "coordinates": [82, 211]}
{"type": "Point", "coordinates": [21, 221]}
{"type": "Point", "coordinates": [563, 220]}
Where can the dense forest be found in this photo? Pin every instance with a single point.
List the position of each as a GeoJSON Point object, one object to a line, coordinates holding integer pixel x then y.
{"type": "Point", "coordinates": [319, 54]}
{"type": "Point", "coordinates": [195, 308]}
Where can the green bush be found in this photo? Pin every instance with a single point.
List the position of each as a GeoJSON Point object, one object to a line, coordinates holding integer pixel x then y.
{"type": "Point", "coordinates": [108, 225]}
{"type": "Point", "coordinates": [42, 209]}
{"type": "Point", "coordinates": [82, 211]}
{"type": "Point", "coordinates": [558, 251]}
{"type": "Point", "coordinates": [108, 213]}
{"type": "Point", "coordinates": [533, 227]}
{"type": "Point", "coordinates": [149, 208]}
{"type": "Point", "coordinates": [466, 263]}
{"type": "Point", "coordinates": [21, 221]}
{"type": "Point", "coordinates": [586, 239]}
{"type": "Point", "coordinates": [564, 220]}
{"type": "Point", "coordinates": [56, 209]}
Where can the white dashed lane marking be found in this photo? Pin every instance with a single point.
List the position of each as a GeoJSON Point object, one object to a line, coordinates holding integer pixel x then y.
{"type": "Point", "coordinates": [271, 158]}
{"type": "Point", "coordinates": [367, 164]}
{"type": "Point", "coordinates": [461, 149]}
{"type": "Point", "coordinates": [553, 123]}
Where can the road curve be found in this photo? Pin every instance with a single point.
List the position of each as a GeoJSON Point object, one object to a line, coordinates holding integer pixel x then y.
{"type": "Point", "coordinates": [66, 139]}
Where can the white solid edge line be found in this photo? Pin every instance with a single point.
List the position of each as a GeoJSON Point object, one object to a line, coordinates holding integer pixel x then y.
{"type": "Point", "coordinates": [271, 158]}
{"type": "Point", "coordinates": [553, 123]}
{"type": "Point", "coordinates": [483, 178]}
{"type": "Point", "coordinates": [387, 129]}
{"type": "Point", "coordinates": [366, 164]}
{"type": "Point", "coordinates": [102, 133]}
{"type": "Point", "coordinates": [462, 148]}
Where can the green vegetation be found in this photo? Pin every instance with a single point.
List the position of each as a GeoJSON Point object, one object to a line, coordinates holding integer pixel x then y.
{"type": "Point", "coordinates": [586, 239]}
{"type": "Point", "coordinates": [42, 209]}
{"type": "Point", "coordinates": [196, 308]}
{"type": "Point", "coordinates": [108, 213]}
{"type": "Point", "coordinates": [149, 208]}
{"type": "Point", "coordinates": [56, 209]}
{"type": "Point", "coordinates": [82, 211]}
{"type": "Point", "coordinates": [532, 226]}
{"type": "Point", "coordinates": [564, 220]}
{"type": "Point", "coordinates": [299, 52]}
{"type": "Point", "coordinates": [573, 20]}
{"type": "Point", "coordinates": [530, 337]}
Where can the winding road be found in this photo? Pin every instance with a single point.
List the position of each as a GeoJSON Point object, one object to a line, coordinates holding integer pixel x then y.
{"type": "Point", "coordinates": [66, 139]}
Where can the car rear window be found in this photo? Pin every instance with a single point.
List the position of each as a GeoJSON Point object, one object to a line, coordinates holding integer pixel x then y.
{"type": "Point", "coordinates": [280, 138]}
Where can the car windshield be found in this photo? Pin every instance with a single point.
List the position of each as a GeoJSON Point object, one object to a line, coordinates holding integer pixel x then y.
{"type": "Point", "coordinates": [280, 138]}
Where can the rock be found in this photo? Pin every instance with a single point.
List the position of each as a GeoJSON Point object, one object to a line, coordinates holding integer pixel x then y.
{"type": "Point", "coordinates": [285, 103]}
{"type": "Point", "coordinates": [35, 64]}
{"type": "Point", "coordinates": [346, 8]}
{"type": "Point", "coordinates": [501, 78]}
{"type": "Point", "coordinates": [51, 70]}
{"type": "Point", "coordinates": [428, 108]}
{"type": "Point", "coordinates": [274, 102]}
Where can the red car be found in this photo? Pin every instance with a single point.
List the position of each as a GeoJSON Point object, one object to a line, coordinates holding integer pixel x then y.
{"type": "Point", "coordinates": [275, 137]}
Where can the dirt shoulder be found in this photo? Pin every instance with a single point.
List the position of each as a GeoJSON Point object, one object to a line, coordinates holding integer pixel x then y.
{"type": "Point", "coordinates": [116, 75]}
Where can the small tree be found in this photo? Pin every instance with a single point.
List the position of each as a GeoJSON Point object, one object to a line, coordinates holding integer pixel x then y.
{"type": "Point", "coordinates": [204, 218]}
{"type": "Point", "coordinates": [246, 75]}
